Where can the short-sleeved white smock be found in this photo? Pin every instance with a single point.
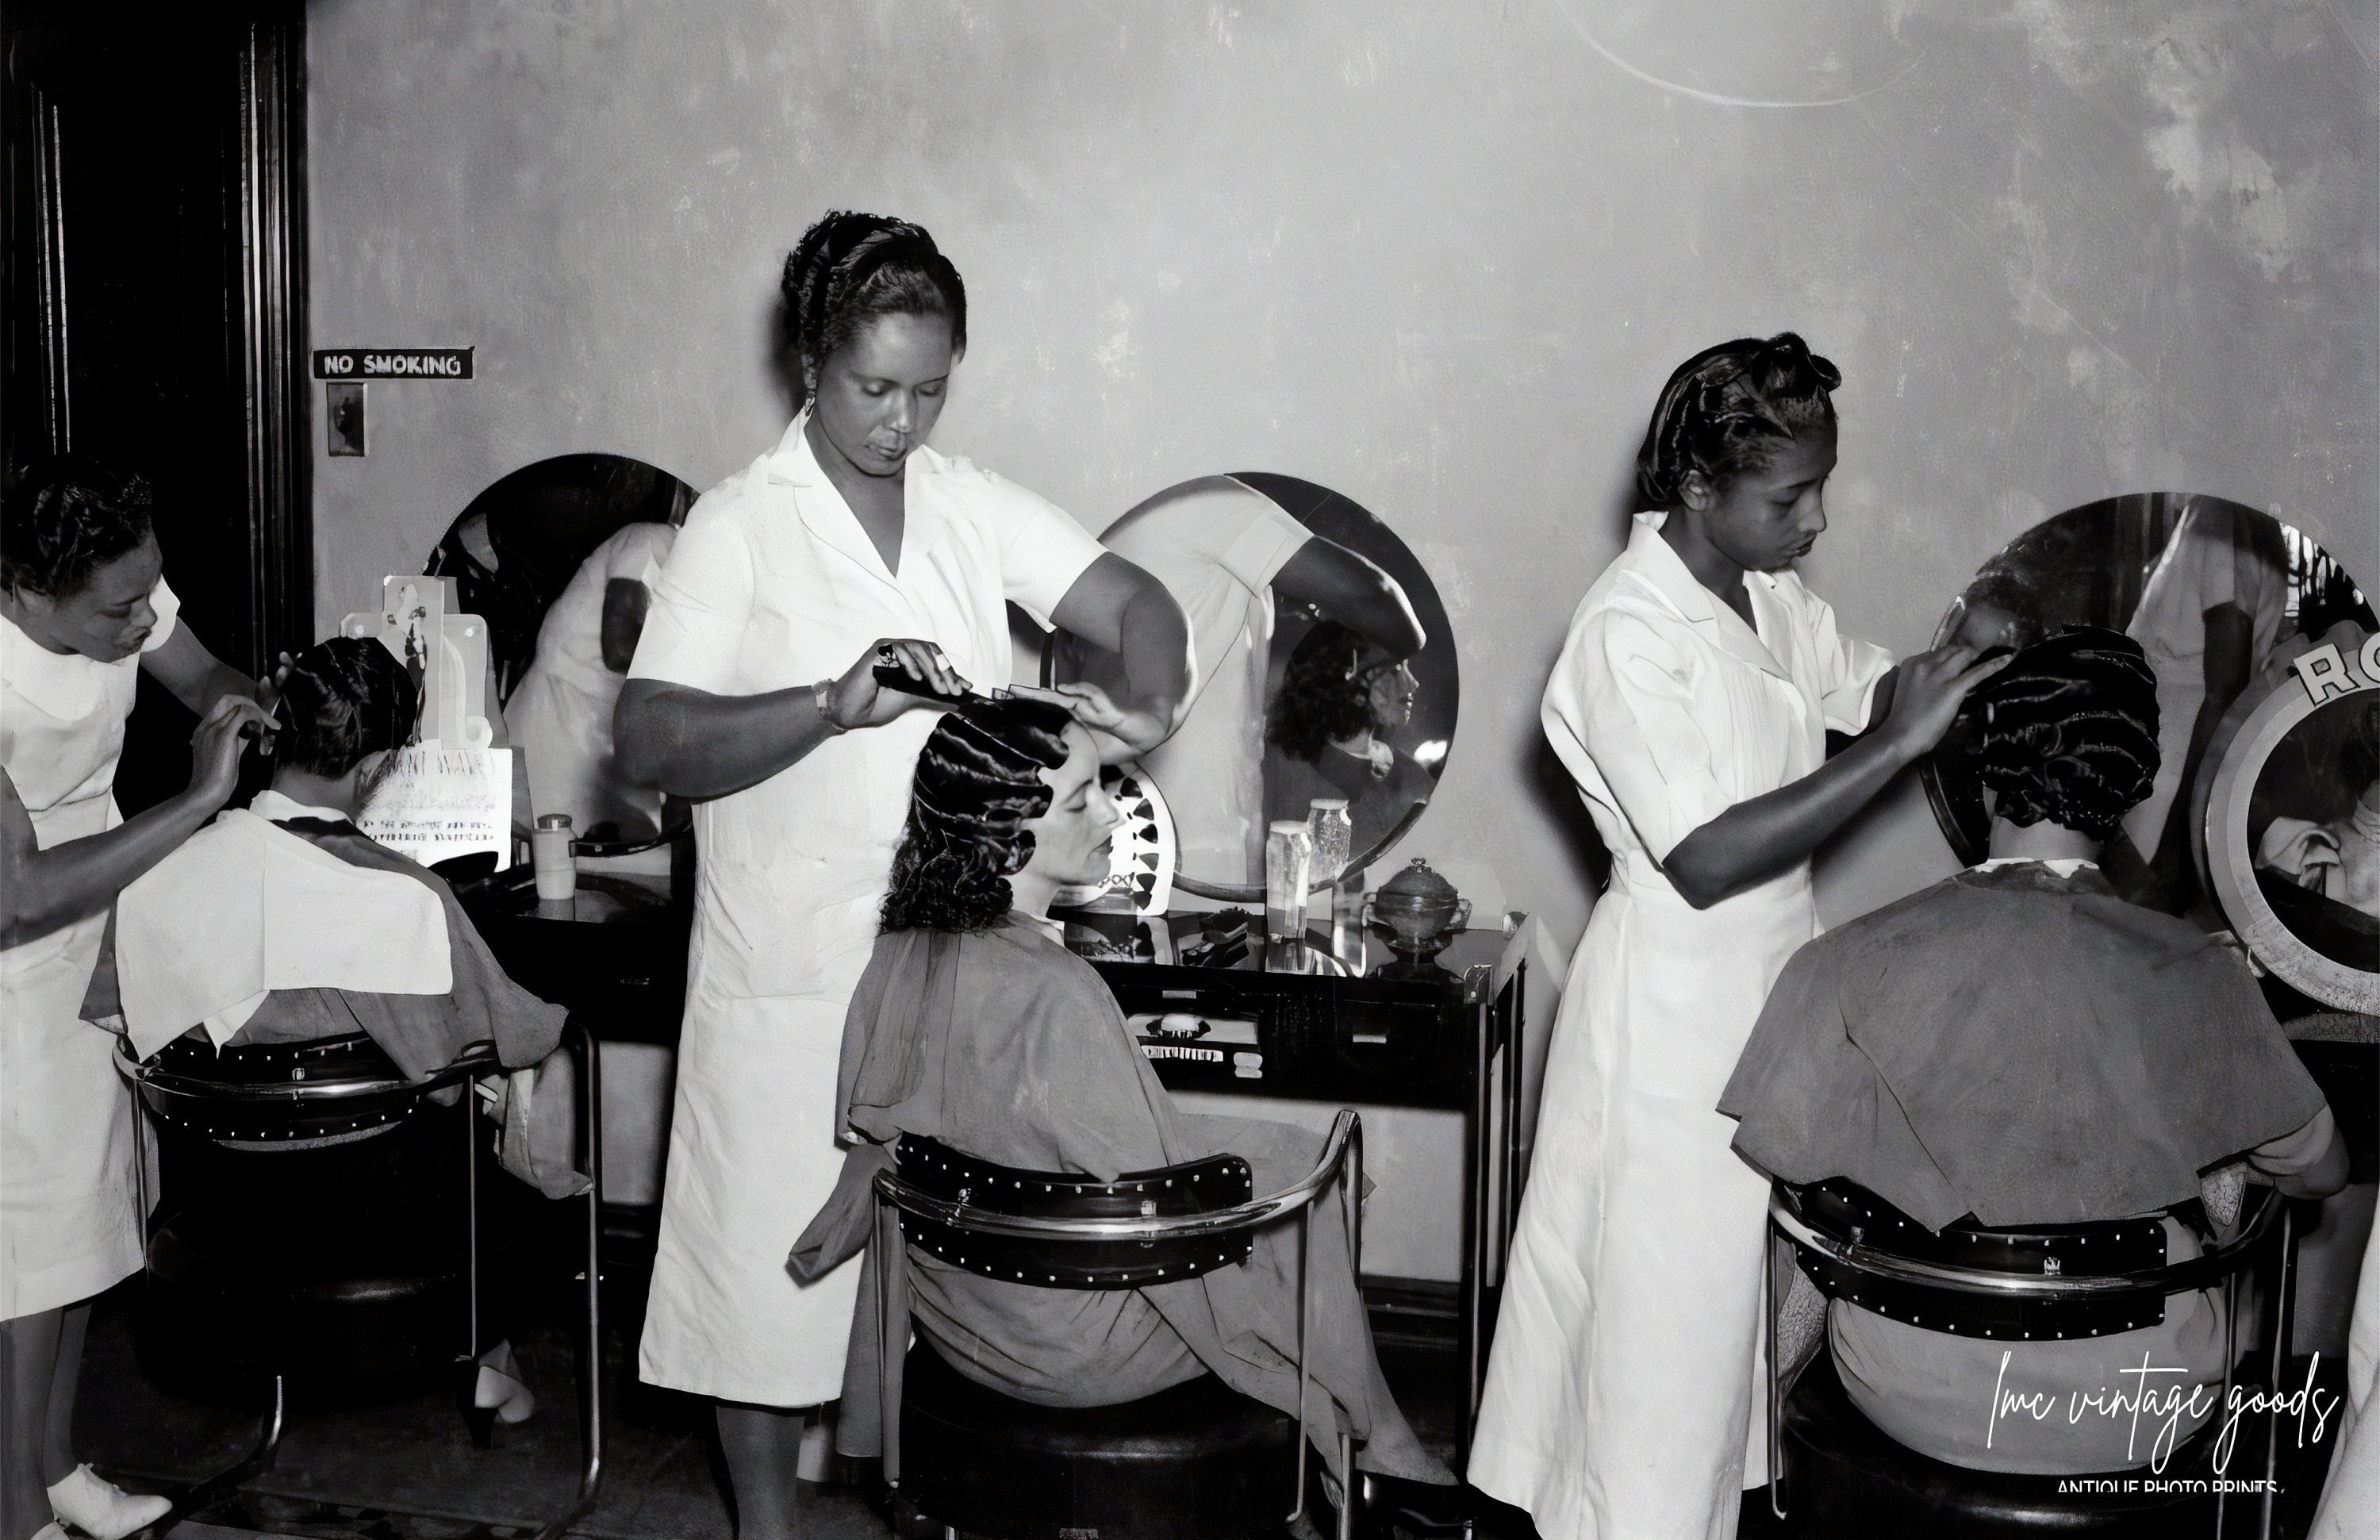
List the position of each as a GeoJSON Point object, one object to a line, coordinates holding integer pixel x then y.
{"type": "Point", "coordinates": [774, 585]}
{"type": "Point", "coordinates": [1619, 1397]}
{"type": "Point", "coordinates": [69, 1210]}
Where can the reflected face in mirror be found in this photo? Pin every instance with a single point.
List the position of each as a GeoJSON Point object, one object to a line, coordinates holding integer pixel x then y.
{"type": "Point", "coordinates": [2315, 823]}
{"type": "Point", "coordinates": [109, 617]}
{"type": "Point", "coordinates": [1768, 516]}
{"type": "Point", "coordinates": [1391, 694]}
{"type": "Point", "coordinates": [879, 395]}
{"type": "Point", "coordinates": [1072, 840]}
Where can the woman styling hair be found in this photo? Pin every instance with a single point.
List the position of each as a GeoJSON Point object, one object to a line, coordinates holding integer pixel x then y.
{"type": "Point", "coordinates": [1691, 704]}
{"type": "Point", "coordinates": [754, 694]}
{"type": "Point", "coordinates": [84, 610]}
{"type": "Point", "coordinates": [975, 1026]}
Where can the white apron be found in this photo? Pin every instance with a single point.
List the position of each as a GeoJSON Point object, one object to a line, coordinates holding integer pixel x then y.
{"type": "Point", "coordinates": [1618, 1403]}
{"type": "Point", "coordinates": [70, 1210]}
{"type": "Point", "coordinates": [773, 585]}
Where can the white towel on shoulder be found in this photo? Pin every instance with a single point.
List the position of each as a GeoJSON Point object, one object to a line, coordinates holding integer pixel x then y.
{"type": "Point", "coordinates": [245, 908]}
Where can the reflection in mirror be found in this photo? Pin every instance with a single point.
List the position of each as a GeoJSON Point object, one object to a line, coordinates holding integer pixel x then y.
{"type": "Point", "coordinates": [1325, 669]}
{"type": "Point", "coordinates": [2220, 596]}
{"type": "Point", "coordinates": [2313, 830]}
{"type": "Point", "coordinates": [559, 556]}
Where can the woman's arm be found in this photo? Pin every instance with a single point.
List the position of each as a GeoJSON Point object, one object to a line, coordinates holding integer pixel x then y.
{"type": "Point", "coordinates": [43, 892]}
{"type": "Point", "coordinates": [1117, 606]}
{"type": "Point", "coordinates": [694, 745]}
{"type": "Point", "coordinates": [197, 678]}
{"type": "Point", "coordinates": [1757, 839]}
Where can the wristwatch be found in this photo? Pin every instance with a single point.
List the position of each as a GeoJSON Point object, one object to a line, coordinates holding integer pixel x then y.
{"type": "Point", "coordinates": [823, 696]}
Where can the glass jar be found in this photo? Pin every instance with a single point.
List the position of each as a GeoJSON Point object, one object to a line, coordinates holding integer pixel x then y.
{"type": "Point", "coordinates": [1289, 863]}
{"type": "Point", "coordinates": [1334, 837]}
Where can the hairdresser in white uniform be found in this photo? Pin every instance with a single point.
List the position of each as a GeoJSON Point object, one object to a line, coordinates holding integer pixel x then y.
{"type": "Point", "coordinates": [753, 696]}
{"type": "Point", "coordinates": [1691, 703]}
{"type": "Point", "coordinates": [83, 610]}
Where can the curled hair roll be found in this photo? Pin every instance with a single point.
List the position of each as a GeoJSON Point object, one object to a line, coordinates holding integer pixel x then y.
{"type": "Point", "coordinates": [64, 519]}
{"type": "Point", "coordinates": [978, 784]}
{"type": "Point", "coordinates": [1325, 692]}
{"type": "Point", "coordinates": [850, 270]}
{"type": "Point", "coordinates": [345, 698]}
{"type": "Point", "coordinates": [2069, 730]}
{"type": "Point", "coordinates": [1729, 409]}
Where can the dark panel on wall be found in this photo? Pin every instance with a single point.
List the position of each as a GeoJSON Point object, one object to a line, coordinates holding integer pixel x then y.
{"type": "Point", "coordinates": [155, 244]}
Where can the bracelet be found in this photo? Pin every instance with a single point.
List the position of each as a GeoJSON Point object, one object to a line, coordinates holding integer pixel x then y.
{"type": "Point", "coordinates": [822, 697]}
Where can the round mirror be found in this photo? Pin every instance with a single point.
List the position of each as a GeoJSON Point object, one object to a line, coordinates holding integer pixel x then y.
{"type": "Point", "coordinates": [2220, 596]}
{"type": "Point", "coordinates": [559, 557]}
{"type": "Point", "coordinates": [1302, 609]}
{"type": "Point", "coordinates": [2293, 826]}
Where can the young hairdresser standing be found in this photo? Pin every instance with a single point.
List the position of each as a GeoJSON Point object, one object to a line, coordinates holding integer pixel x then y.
{"type": "Point", "coordinates": [849, 544]}
{"type": "Point", "coordinates": [1691, 704]}
{"type": "Point", "coordinates": [83, 609]}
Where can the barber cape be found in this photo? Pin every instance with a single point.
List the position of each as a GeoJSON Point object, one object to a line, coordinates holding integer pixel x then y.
{"type": "Point", "coordinates": [285, 924]}
{"type": "Point", "coordinates": [2019, 1045]}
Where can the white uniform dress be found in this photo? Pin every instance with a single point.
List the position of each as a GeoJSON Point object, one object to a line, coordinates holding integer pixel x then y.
{"type": "Point", "coordinates": [69, 1208]}
{"type": "Point", "coordinates": [773, 585]}
{"type": "Point", "coordinates": [1216, 545]}
{"type": "Point", "coordinates": [1618, 1400]}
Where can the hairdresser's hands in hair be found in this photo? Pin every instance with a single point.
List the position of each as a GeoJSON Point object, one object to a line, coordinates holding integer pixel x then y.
{"type": "Point", "coordinates": [1135, 730]}
{"type": "Point", "coordinates": [215, 749]}
{"type": "Point", "coordinates": [860, 702]}
{"type": "Point", "coordinates": [1927, 691]}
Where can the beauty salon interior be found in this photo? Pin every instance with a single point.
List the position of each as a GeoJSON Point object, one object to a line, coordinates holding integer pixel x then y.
{"type": "Point", "coordinates": [1601, 770]}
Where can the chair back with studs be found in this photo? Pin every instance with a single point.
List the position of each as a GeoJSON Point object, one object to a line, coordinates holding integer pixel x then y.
{"type": "Point", "coordinates": [932, 1169]}
{"type": "Point", "coordinates": [277, 1093]}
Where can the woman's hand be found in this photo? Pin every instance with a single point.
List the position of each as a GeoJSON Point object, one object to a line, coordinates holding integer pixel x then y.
{"type": "Point", "coordinates": [215, 749]}
{"type": "Point", "coordinates": [1929, 690]}
{"type": "Point", "coordinates": [858, 701]}
{"type": "Point", "coordinates": [1138, 731]}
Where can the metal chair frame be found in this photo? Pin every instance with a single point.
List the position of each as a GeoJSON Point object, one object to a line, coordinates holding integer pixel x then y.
{"type": "Point", "coordinates": [169, 1094]}
{"type": "Point", "coordinates": [1343, 1159]}
{"type": "Point", "coordinates": [2224, 1262]}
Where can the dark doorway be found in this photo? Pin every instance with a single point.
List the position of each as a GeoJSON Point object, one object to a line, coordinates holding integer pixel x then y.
{"type": "Point", "coordinates": [154, 270]}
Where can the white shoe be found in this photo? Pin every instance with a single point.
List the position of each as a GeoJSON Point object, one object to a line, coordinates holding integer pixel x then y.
{"type": "Point", "coordinates": [499, 1386]}
{"type": "Point", "coordinates": [101, 1509]}
{"type": "Point", "coordinates": [51, 1531]}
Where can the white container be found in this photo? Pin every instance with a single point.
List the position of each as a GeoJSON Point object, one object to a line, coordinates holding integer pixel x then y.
{"type": "Point", "coordinates": [557, 869]}
{"type": "Point", "coordinates": [1288, 861]}
{"type": "Point", "coordinates": [1334, 837]}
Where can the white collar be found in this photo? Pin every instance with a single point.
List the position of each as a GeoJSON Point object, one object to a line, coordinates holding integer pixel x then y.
{"type": "Point", "coordinates": [1658, 563]}
{"type": "Point", "coordinates": [2065, 866]}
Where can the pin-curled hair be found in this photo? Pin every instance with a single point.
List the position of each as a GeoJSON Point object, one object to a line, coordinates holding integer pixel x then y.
{"type": "Point", "coordinates": [2069, 730]}
{"type": "Point", "coordinates": [1729, 409]}
{"type": "Point", "coordinates": [66, 517]}
{"type": "Point", "coordinates": [850, 270]}
{"type": "Point", "coordinates": [1326, 692]}
{"type": "Point", "coordinates": [978, 783]}
{"type": "Point", "coordinates": [343, 699]}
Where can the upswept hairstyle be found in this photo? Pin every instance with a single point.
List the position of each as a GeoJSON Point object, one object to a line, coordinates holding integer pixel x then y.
{"type": "Point", "coordinates": [345, 698]}
{"type": "Point", "coordinates": [1326, 692]}
{"type": "Point", "coordinates": [850, 270]}
{"type": "Point", "coordinates": [978, 783]}
{"type": "Point", "coordinates": [64, 518]}
{"type": "Point", "coordinates": [2069, 730]}
{"type": "Point", "coordinates": [1729, 409]}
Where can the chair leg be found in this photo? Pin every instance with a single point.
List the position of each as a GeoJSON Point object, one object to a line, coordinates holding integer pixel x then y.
{"type": "Point", "coordinates": [590, 1351]}
{"type": "Point", "coordinates": [1351, 1486]}
{"type": "Point", "coordinates": [2283, 1288]}
{"type": "Point", "coordinates": [892, 1258]}
{"type": "Point", "coordinates": [1305, 1267]}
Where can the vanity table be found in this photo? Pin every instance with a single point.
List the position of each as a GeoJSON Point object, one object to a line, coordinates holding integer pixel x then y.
{"type": "Point", "coordinates": [1294, 1021]}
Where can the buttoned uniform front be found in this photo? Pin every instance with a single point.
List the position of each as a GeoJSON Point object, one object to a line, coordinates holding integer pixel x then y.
{"type": "Point", "coordinates": [1618, 1400]}
{"type": "Point", "coordinates": [69, 1214]}
{"type": "Point", "coordinates": [774, 585]}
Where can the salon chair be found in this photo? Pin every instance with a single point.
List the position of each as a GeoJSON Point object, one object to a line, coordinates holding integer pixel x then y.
{"type": "Point", "coordinates": [2047, 1282]}
{"type": "Point", "coordinates": [332, 1218]}
{"type": "Point", "coordinates": [1196, 1461]}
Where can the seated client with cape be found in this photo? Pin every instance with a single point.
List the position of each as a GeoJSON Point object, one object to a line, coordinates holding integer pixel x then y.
{"type": "Point", "coordinates": [975, 1026]}
{"type": "Point", "coordinates": [2018, 1045]}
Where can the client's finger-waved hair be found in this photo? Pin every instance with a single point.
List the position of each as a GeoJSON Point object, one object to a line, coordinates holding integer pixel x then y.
{"type": "Point", "coordinates": [2069, 730]}
{"type": "Point", "coordinates": [1325, 692]}
{"type": "Point", "coordinates": [345, 698]}
{"type": "Point", "coordinates": [978, 783]}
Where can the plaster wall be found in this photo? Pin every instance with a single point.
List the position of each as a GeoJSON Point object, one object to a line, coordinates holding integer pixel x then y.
{"type": "Point", "coordinates": [1437, 256]}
